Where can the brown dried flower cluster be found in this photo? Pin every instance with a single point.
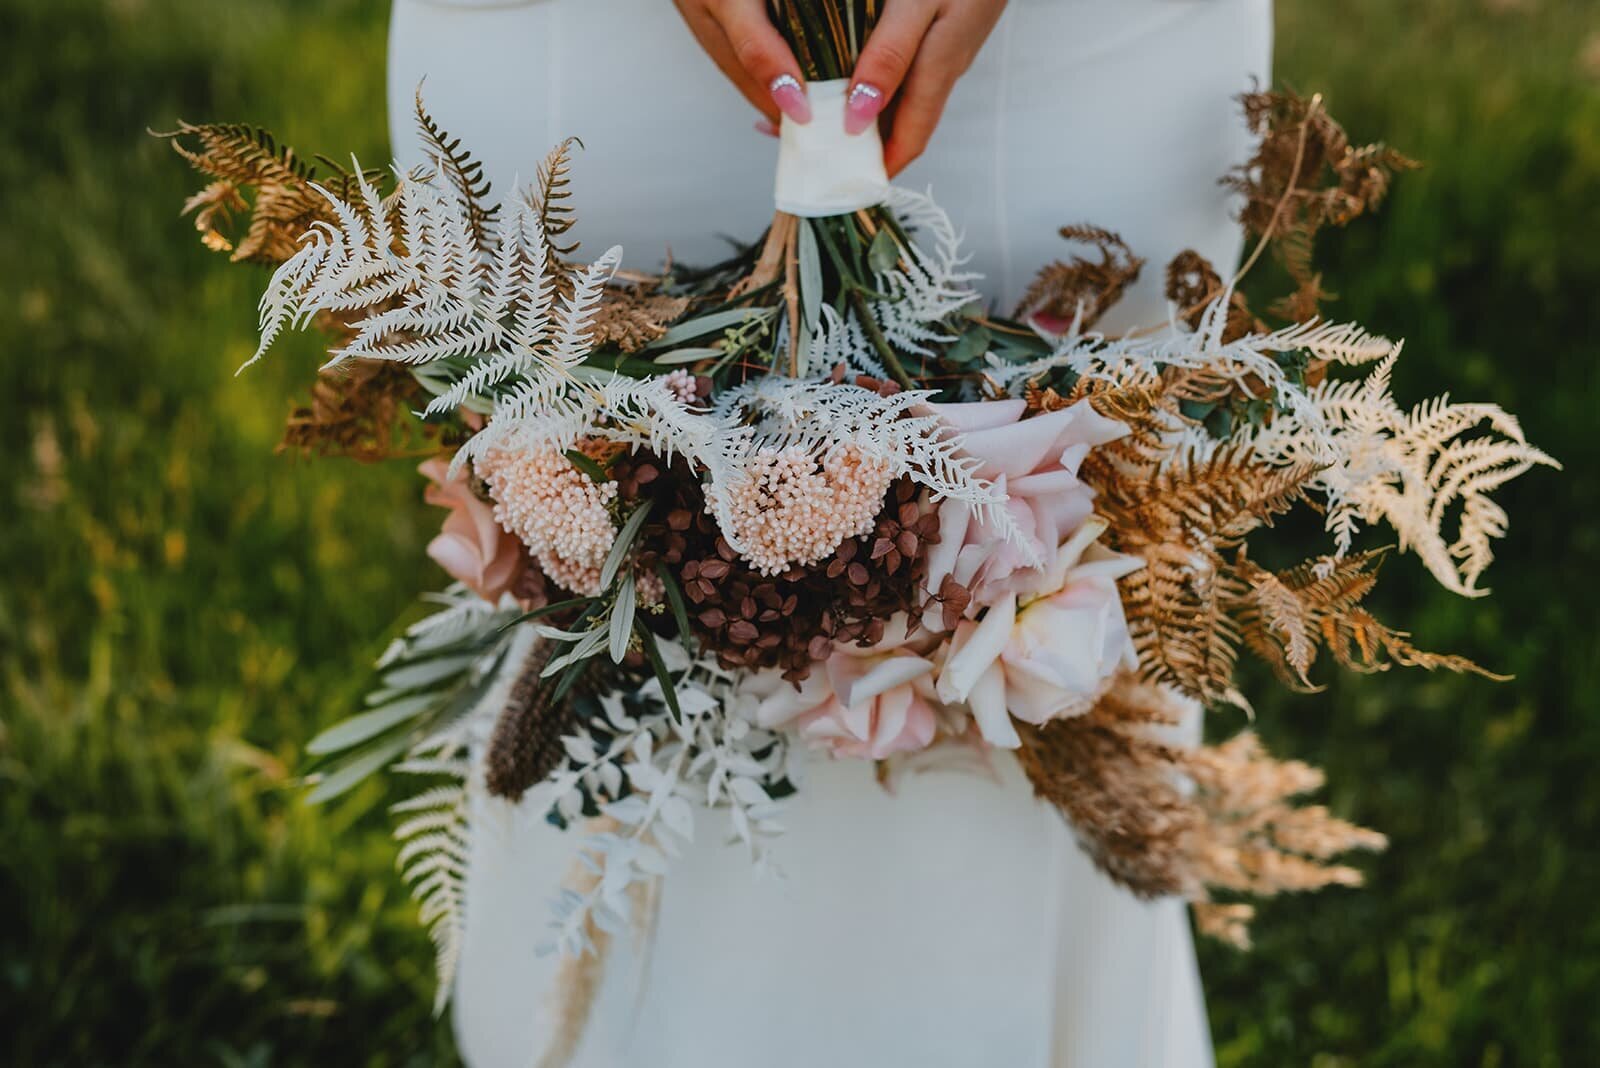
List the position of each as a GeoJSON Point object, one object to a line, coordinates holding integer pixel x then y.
{"type": "Point", "coordinates": [630, 318]}
{"type": "Point", "coordinates": [360, 409]}
{"type": "Point", "coordinates": [790, 620]}
{"type": "Point", "coordinates": [1165, 819]}
{"type": "Point", "coordinates": [285, 206]}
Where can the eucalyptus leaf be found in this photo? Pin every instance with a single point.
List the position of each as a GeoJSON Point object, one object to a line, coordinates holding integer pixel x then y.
{"type": "Point", "coordinates": [810, 276]}
{"type": "Point", "coordinates": [426, 672]}
{"type": "Point", "coordinates": [619, 548]}
{"type": "Point", "coordinates": [883, 253]}
{"type": "Point", "coordinates": [680, 611]}
{"type": "Point", "coordinates": [587, 465]}
{"type": "Point", "coordinates": [548, 609]}
{"type": "Point", "coordinates": [687, 355]}
{"type": "Point", "coordinates": [971, 346]}
{"type": "Point", "coordinates": [580, 651]}
{"type": "Point", "coordinates": [622, 614]}
{"type": "Point", "coordinates": [652, 652]}
{"type": "Point", "coordinates": [357, 729]}
{"type": "Point", "coordinates": [350, 774]}
{"type": "Point", "coordinates": [701, 326]}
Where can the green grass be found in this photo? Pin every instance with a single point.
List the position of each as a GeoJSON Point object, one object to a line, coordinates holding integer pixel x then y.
{"type": "Point", "coordinates": [180, 608]}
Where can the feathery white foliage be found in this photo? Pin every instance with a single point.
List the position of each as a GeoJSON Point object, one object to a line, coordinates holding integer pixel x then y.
{"type": "Point", "coordinates": [839, 339]}
{"type": "Point", "coordinates": [707, 758]}
{"type": "Point", "coordinates": [425, 293]}
{"type": "Point", "coordinates": [928, 285]}
{"type": "Point", "coordinates": [1413, 470]}
{"type": "Point", "coordinates": [1378, 463]}
{"type": "Point", "coordinates": [434, 833]}
{"type": "Point", "coordinates": [920, 292]}
{"type": "Point", "coordinates": [1248, 363]}
{"type": "Point", "coordinates": [434, 841]}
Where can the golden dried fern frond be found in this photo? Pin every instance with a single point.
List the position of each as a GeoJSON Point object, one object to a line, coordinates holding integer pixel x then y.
{"type": "Point", "coordinates": [1287, 617]}
{"type": "Point", "coordinates": [1205, 501]}
{"type": "Point", "coordinates": [632, 317]}
{"type": "Point", "coordinates": [360, 409]}
{"type": "Point", "coordinates": [462, 171]}
{"type": "Point", "coordinates": [552, 188]}
{"type": "Point", "coordinates": [1183, 638]}
{"type": "Point", "coordinates": [245, 158]}
{"type": "Point", "coordinates": [1305, 175]}
{"type": "Point", "coordinates": [1081, 288]}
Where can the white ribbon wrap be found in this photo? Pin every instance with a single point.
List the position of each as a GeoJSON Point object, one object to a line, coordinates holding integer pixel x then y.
{"type": "Point", "coordinates": [821, 169]}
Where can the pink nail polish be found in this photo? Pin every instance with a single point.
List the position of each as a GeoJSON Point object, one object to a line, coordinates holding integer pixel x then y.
{"type": "Point", "coordinates": [790, 96]}
{"type": "Point", "coordinates": [861, 107]}
{"type": "Point", "coordinates": [766, 126]}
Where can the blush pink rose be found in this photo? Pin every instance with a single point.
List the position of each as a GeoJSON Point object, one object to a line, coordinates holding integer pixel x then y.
{"type": "Point", "coordinates": [864, 703]}
{"type": "Point", "coordinates": [1034, 461]}
{"type": "Point", "coordinates": [1044, 658]}
{"type": "Point", "coordinates": [472, 547]}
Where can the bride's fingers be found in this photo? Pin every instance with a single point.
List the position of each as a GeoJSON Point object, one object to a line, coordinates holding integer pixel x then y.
{"type": "Point", "coordinates": [708, 32]}
{"type": "Point", "coordinates": [885, 61]}
{"type": "Point", "coordinates": [942, 59]}
{"type": "Point", "coordinates": [764, 56]}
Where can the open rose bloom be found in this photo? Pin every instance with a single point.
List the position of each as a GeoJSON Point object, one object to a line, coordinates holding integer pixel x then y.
{"type": "Point", "coordinates": [1042, 633]}
{"type": "Point", "coordinates": [473, 548]}
{"type": "Point", "coordinates": [1034, 462]}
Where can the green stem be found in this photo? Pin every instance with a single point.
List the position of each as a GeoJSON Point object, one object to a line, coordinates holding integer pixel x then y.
{"type": "Point", "coordinates": [880, 344]}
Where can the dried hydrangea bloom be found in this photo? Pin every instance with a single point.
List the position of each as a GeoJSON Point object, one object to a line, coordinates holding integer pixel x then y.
{"type": "Point", "coordinates": [784, 507]}
{"type": "Point", "coordinates": [561, 515]}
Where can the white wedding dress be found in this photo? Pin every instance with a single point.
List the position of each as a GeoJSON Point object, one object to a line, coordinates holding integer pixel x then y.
{"type": "Point", "coordinates": [955, 923]}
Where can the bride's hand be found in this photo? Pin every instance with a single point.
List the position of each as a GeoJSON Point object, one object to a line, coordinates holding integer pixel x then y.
{"type": "Point", "coordinates": [913, 58]}
{"type": "Point", "coordinates": [918, 50]}
{"type": "Point", "coordinates": [739, 37]}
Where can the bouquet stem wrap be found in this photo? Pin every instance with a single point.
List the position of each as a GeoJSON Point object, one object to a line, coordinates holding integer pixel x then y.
{"type": "Point", "coordinates": [822, 170]}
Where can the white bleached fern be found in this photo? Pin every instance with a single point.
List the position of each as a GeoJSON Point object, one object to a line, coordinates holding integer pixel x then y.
{"type": "Point", "coordinates": [423, 294]}
{"type": "Point", "coordinates": [1376, 462]}
{"type": "Point", "coordinates": [1249, 364]}
{"type": "Point", "coordinates": [1413, 470]}
{"type": "Point", "coordinates": [919, 294]}
{"type": "Point", "coordinates": [927, 286]}
{"type": "Point", "coordinates": [434, 832]}
{"type": "Point", "coordinates": [434, 839]}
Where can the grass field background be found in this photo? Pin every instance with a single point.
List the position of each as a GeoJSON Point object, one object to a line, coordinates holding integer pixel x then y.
{"type": "Point", "coordinates": [180, 608]}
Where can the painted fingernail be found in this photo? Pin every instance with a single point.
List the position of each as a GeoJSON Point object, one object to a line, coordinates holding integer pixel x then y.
{"type": "Point", "coordinates": [861, 107]}
{"type": "Point", "coordinates": [766, 126]}
{"type": "Point", "coordinates": [790, 96]}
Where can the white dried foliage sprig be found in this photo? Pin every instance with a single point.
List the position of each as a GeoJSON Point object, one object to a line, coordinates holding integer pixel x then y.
{"type": "Point", "coordinates": [434, 834]}
{"type": "Point", "coordinates": [927, 285]}
{"type": "Point", "coordinates": [1415, 470]}
{"type": "Point", "coordinates": [1248, 363]}
{"type": "Point", "coordinates": [1377, 462]}
{"type": "Point", "coordinates": [919, 294]}
{"type": "Point", "coordinates": [706, 758]}
{"type": "Point", "coordinates": [425, 293]}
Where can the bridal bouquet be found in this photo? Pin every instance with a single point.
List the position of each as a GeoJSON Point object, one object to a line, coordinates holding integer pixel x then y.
{"type": "Point", "coordinates": [822, 496]}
